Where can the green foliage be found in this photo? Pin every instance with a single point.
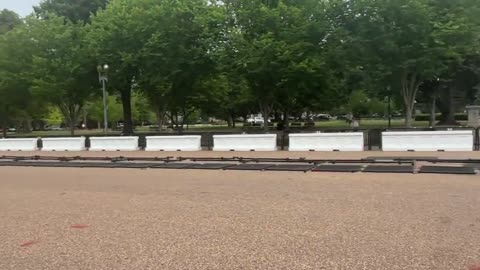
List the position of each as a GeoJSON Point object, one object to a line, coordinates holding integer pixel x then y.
{"type": "Point", "coordinates": [404, 43]}
{"type": "Point", "coordinates": [183, 39]}
{"type": "Point", "coordinates": [8, 20]}
{"type": "Point", "coordinates": [15, 66]}
{"type": "Point", "coordinates": [74, 10]}
{"type": "Point", "coordinates": [141, 109]}
{"type": "Point", "coordinates": [230, 58]}
{"type": "Point", "coordinates": [95, 109]}
{"type": "Point", "coordinates": [275, 50]}
{"type": "Point", "coordinates": [54, 116]}
{"type": "Point", "coordinates": [360, 105]}
{"type": "Point", "coordinates": [226, 96]}
{"type": "Point", "coordinates": [116, 36]}
{"type": "Point", "coordinates": [63, 73]}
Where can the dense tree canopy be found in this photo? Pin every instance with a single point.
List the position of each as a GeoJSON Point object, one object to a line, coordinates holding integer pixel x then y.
{"type": "Point", "coordinates": [62, 71]}
{"type": "Point", "coordinates": [231, 58]}
{"type": "Point", "coordinates": [8, 20]}
{"type": "Point", "coordinates": [74, 10]}
{"type": "Point", "coordinates": [403, 44]}
{"type": "Point", "coordinates": [15, 65]}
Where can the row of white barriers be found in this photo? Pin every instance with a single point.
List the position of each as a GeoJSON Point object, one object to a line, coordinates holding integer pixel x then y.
{"type": "Point", "coordinates": [354, 141]}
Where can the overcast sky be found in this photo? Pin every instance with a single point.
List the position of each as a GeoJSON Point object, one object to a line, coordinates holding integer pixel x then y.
{"type": "Point", "coordinates": [22, 7]}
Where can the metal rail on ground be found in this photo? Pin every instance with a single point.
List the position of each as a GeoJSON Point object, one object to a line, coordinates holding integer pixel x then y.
{"type": "Point", "coordinates": [368, 165]}
{"type": "Point", "coordinates": [369, 160]}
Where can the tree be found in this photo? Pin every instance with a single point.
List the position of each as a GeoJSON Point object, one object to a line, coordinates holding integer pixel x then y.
{"type": "Point", "coordinates": [460, 30]}
{"type": "Point", "coordinates": [54, 116]}
{"type": "Point", "coordinates": [141, 109]}
{"type": "Point", "coordinates": [95, 110]}
{"type": "Point", "coordinates": [8, 21]}
{"type": "Point", "coordinates": [361, 105]}
{"type": "Point", "coordinates": [457, 89]}
{"type": "Point", "coordinates": [15, 65]}
{"type": "Point", "coordinates": [226, 96]}
{"type": "Point", "coordinates": [8, 101]}
{"type": "Point", "coordinates": [407, 42]}
{"type": "Point", "coordinates": [278, 48]}
{"type": "Point", "coordinates": [74, 10]}
{"type": "Point", "coordinates": [184, 39]}
{"type": "Point", "coordinates": [399, 51]}
{"type": "Point", "coordinates": [116, 36]}
{"type": "Point", "coordinates": [429, 93]}
{"type": "Point", "coordinates": [225, 92]}
{"type": "Point", "coordinates": [62, 74]}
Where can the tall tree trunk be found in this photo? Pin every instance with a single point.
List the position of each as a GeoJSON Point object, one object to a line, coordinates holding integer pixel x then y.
{"type": "Point", "coordinates": [72, 127]}
{"type": "Point", "coordinates": [4, 127]}
{"type": "Point", "coordinates": [179, 122]}
{"type": "Point", "coordinates": [450, 118]}
{"type": "Point", "coordinates": [175, 120]}
{"type": "Point", "coordinates": [185, 115]}
{"type": "Point", "coordinates": [266, 109]}
{"type": "Point", "coordinates": [265, 113]}
{"type": "Point", "coordinates": [4, 121]}
{"type": "Point", "coordinates": [70, 113]}
{"type": "Point", "coordinates": [172, 120]}
{"type": "Point", "coordinates": [286, 120]}
{"type": "Point", "coordinates": [160, 120]}
{"type": "Point", "coordinates": [73, 119]}
{"type": "Point", "coordinates": [85, 113]}
{"type": "Point", "coordinates": [410, 85]}
{"type": "Point", "coordinates": [160, 113]}
{"type": "Point", "coordinates": [182, 123]}
{"type": "Point", "coordinates": [27, 125]}
{"type": "Point", "coordinates": [229, 120]}
{"type": "Point", "coordinates": [126, 97]}
{"type": "Point", "coordinates": [433, 112]}
{"type": "Point", "coordinates": [99, 125]}
{"type": "Point", "coordinates": [232, 116]}
{"type": "Point", "coordinates": [408, 117]}
{"type": "Point", "coordinates": [447, 108]}
{"type": "Point", "coordinates": [276, 116]}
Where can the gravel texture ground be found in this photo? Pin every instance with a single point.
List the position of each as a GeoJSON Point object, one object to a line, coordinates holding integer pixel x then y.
{"type": "Point", "coordinates": [57, 218]}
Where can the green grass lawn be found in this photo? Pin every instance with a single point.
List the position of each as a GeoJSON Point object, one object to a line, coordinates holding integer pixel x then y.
{"type": "Point", "coordinates": [79, 132]}
{"type": "Point", "coordinates": [340, 124]}
{"type": "Point", "coordinates": [368, 123]}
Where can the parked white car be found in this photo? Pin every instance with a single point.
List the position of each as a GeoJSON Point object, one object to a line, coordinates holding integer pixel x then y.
{"type": "Point", "coordinates": [54, 128]}
{"type": "Point", "coordinates": [256, 120]}
{"type": "Point", "coordinates": [324, 117]}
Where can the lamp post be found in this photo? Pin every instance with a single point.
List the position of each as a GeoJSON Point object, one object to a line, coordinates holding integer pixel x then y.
{"type": "Point", "coordinates": [389, 107]}
{"type": "Point", "coordinates": [103, 78]}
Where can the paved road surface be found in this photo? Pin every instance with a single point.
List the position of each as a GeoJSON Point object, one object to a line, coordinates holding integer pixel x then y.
{"type": "Point", "coordinates": [54, 218]}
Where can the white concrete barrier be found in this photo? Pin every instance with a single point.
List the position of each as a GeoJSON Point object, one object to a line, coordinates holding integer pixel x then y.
{"type": "Point", "coordinates": [173, 143]}
{"type": "Point", "coordinates": [113, 143]}
{"type": "Point", "coordinates": [352, 141]}
{"type": "Point", "coordinates": [428, 141]}
{"type": "Point", "coordinates": [245, 142]}
{"type": "Point", "coordinates": [63, 144]}
{"type": "Point", "coordinates": [19, 144]}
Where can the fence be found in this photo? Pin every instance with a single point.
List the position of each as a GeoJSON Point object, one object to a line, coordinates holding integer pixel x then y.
{"type": "Point", "coordinates": [372, 137]}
